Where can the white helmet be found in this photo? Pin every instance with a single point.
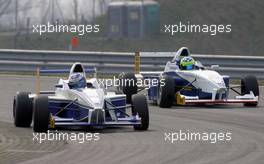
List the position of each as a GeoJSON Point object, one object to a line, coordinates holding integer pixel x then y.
{"type": "Point", "coordinates": [77, 80]}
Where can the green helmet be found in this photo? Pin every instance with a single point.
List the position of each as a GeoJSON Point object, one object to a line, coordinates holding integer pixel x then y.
{"type": "Point", "coordinates": [187, 63]}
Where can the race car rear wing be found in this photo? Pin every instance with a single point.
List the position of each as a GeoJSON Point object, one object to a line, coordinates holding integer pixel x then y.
{"type": "Point", "coordinates": [58, 71]}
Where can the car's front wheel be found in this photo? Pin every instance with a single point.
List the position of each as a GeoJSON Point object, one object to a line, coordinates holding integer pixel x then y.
{"type": "Point", "coordinates": [22, 110]}
{"type": "Point", "coordinates": [129, 86]}
{"type": "Point", "coordinates": [166, 93]}
{"type": "Point", "coordinates": [250, 83]}
{"type": "Point", "coordinates": [140, 107]}
{"type": "Point", "coordinates": [41, 114]}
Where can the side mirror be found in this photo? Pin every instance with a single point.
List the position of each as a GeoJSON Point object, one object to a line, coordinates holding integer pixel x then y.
{"type": "Point", "coordinates": [213, 67]}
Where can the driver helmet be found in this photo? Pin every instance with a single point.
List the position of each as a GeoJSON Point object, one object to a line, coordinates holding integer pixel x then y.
{"type": "Point", "coordinates": [77, 81]}
{"type": "Point", "coordinates": [187, 63]}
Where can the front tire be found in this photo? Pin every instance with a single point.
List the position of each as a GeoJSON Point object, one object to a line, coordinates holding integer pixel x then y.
{"type": "Point", "coordinates": [129, 87]}
{"type": "Point", "coordinates": [22, 110]}
{"type": "Point", "coordinates": [41, 114]}
{"type": "Point", "coordinates": [250, 83]}
{"type": "Point", "coordinates": [140, 107]}
{"type": "Point", "coordinates": [166, 93]}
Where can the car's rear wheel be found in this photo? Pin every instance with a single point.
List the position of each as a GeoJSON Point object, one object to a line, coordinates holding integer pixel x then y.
{"type": "Point", "coordinates": [22, 110]}
{"type": "Point", "coordinates": [129, 87]}
{"type": "Point", "coordinates": [140, 107]}
{"type": "Point", "coordinates": [166, 93]}
{"type": "Point", "coordinates": [249, 83]}
{"type": "Point", "coordinates": [41, 114]}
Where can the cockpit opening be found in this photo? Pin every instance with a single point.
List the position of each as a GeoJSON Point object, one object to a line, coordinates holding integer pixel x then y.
{"type": "Point", "coordinates": [78, 68]}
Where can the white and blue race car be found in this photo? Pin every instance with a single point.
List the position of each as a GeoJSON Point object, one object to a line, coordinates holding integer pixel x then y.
{"type": "Point", "coordinates": [186, 81]}
{"type": "Point", "coordinates": [78, 101]}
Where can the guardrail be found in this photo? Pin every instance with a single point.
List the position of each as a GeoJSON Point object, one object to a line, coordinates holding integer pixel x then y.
{"type": "Point", "coordinates": [116, 62]}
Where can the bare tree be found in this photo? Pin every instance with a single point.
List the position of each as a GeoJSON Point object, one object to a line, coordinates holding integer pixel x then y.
{"type": "Point", "coordinates": [52, 12]}
{"type": "Point", "coordinates": [4, 7]}
{"type": "Point", "coordinates": [93, 10]}
{"type": "Point", "coordinates": [75, 8]}
{"type": "Point", "coordinates": [102, 6]}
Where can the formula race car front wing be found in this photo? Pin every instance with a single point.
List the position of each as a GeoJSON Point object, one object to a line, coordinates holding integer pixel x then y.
{"type": "Point", "coordinates": [186, 100]}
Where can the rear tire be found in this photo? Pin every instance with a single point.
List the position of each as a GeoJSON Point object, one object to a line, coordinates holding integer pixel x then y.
{"type": "Point", "coordinates": [41, 114]}
{"type": "Point", "coordinates": [166, 93]}
{"type": "Point", "coordinates": [130, 86]}
{"type": "Point", "coordinates": [140, 107]}
{"type": "Point", "coordinates": [22, 110]}
{"type": "Point", "coordinates": [250, 83]}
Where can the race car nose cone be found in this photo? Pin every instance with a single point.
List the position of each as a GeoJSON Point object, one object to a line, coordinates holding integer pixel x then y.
{"type": "Point", "coordinates": [97, 116]}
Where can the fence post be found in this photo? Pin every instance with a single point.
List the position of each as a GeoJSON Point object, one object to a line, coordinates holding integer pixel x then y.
{"type": "Point", "coordinates": [137, 63]}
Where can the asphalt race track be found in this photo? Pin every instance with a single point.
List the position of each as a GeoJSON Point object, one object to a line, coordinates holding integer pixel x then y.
{"type": "Point", "coordinates": [124, 145]}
